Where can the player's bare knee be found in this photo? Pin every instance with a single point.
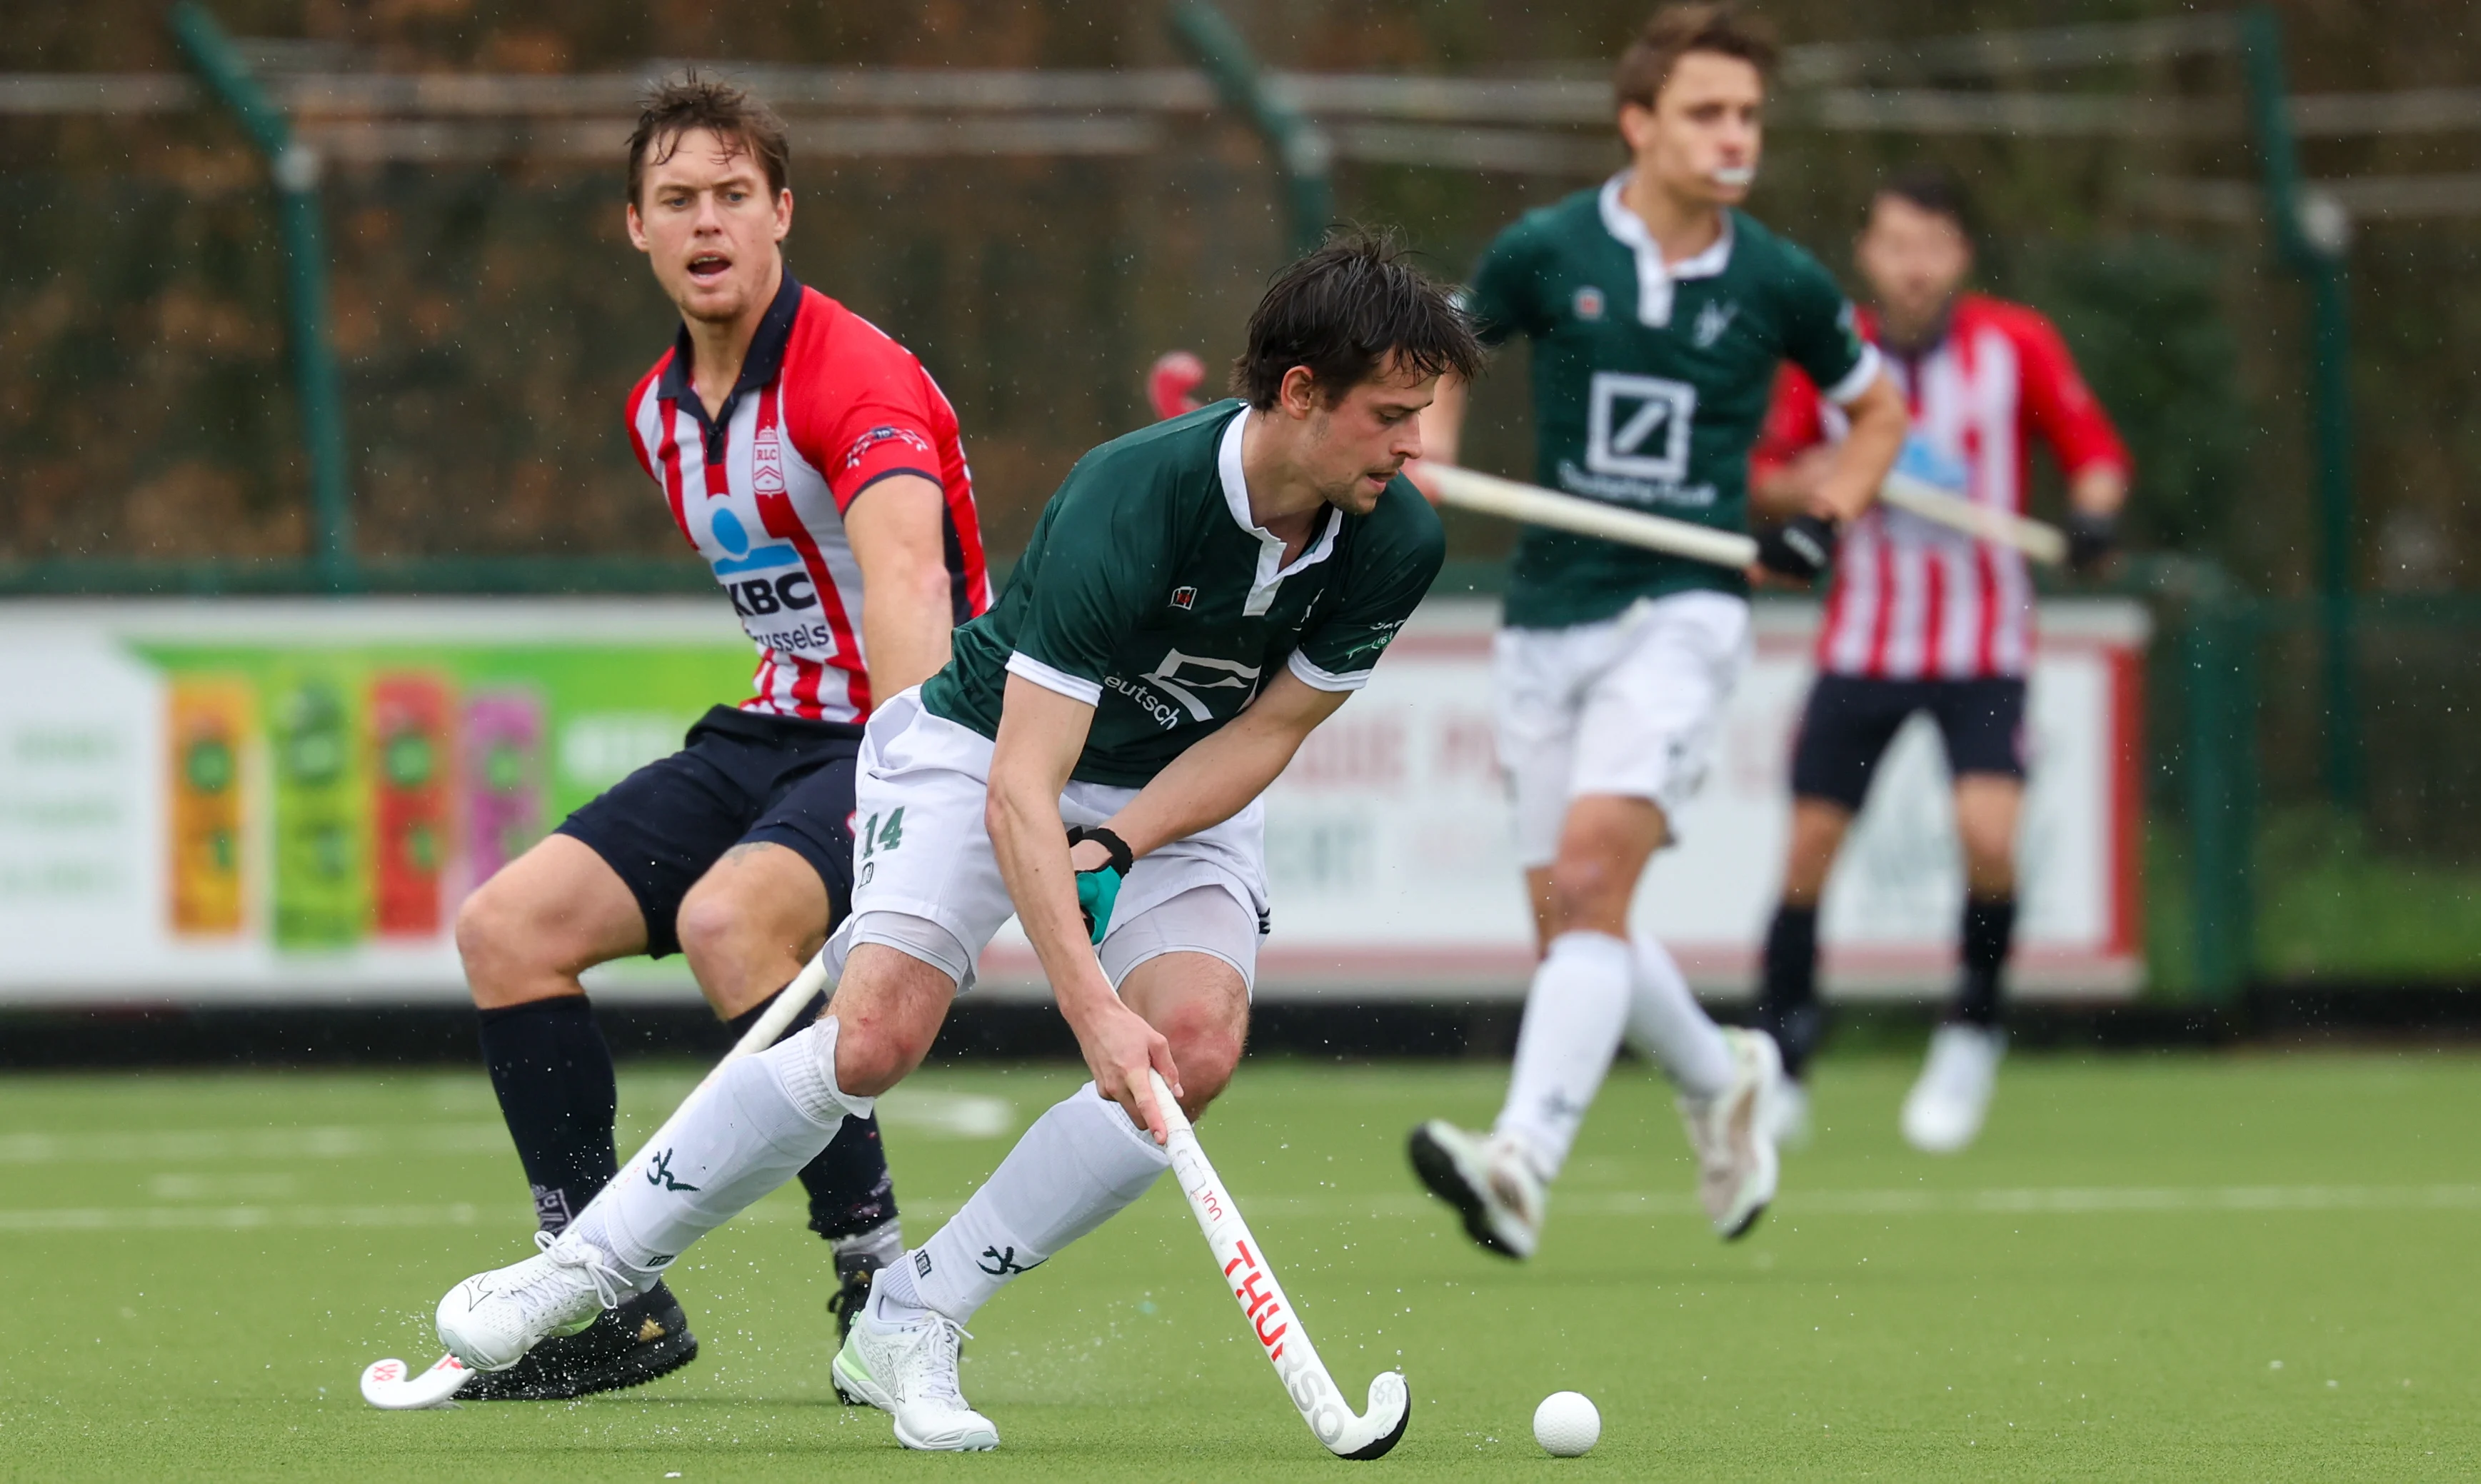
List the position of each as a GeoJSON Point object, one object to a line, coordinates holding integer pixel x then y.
{"type": "Point", "coordinates": [874, 1052]}
{"type": "Point", "coordinates": [500, 956]}
{"type": "Point", "coordinates": [1587, 889]}
{"type": "Point", "coordinates": [1206, 1045]}
{"type": "Point", "coordinates": [1989, 872]}
{"type": "Point", "coordinates": [714, 929]}
{"type": "Point", "coordinates": [887, 1010]}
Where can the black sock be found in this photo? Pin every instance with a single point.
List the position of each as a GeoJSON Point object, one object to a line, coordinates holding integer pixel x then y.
{"type": "Point", "coordinates": [1989, 932]}
{"type": "Point", "coordinates": [851, 1190]}
{"type": "Point", "coordinates": [1788, 1008]}
{"type": "Point", "coordinates": [552, 1074]}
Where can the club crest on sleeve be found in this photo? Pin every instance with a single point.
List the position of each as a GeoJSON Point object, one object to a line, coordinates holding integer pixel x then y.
{"type": "Point", "coordinates": [1587, 303]}
{"type": "Point", "coordinates": [884, 434]}
{"type": "Point", "coordinates": [1184, 598]}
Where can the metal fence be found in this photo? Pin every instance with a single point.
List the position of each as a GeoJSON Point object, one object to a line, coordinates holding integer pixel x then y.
{"type": "Point", "coordinates": [2258, 875]}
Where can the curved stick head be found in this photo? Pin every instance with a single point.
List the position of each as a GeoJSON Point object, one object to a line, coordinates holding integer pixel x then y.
{"type": "Point", "coordinates": [386, 1386]}
{"type": "Point", "coordinates": [1375, 1431]}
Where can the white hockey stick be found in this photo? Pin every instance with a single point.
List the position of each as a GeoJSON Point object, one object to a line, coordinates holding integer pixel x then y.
{"type": "Point", "coordinates": [1271, 1318]}
{"type": "Point", "coordinates": [1473, 490]}
{"type": "Point", "coordinates": [388, 1385]}
{"type": "Point", "coordinates": [1536, 506]}
{"type": "Point", "coordinates": [2044, 543]}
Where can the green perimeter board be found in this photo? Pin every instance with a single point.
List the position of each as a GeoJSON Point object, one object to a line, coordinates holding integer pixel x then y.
{"type": "Point", "coordinates": [2152, 1268]}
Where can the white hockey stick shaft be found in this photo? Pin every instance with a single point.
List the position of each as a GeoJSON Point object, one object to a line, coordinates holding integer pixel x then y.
{"type": "Point", "coordinates": [1473, 490]}
{"type": "Point", "coordinates": [1271, 1318]}
{"type": "Point", "coordinates": [389, 1386]}
{"type": "Point", "coordinates": [2044, 543]}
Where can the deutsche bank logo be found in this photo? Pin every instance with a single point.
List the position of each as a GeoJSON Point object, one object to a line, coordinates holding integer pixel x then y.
{"type": "Point", "coordinates": [1183, 676]}
{"type": "Point", "coordinates": [1638, 427]}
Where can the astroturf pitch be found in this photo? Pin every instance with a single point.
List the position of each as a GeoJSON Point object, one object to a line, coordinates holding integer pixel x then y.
{"type": "Point", "coordinates": [2237, 1267]}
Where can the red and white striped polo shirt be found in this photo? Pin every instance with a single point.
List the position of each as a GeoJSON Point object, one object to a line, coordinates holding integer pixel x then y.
{"type": "Point", "coordinates": [1912, 600]}
{"type": "Point", "coordinates": [826, 407]}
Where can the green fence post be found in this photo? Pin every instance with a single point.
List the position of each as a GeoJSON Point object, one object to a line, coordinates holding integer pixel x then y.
{"type": "Point", "coordinates": [1301, 152]}
{"type": "Point", "coordinates": [2222, 793]}
{"type": "Point", "coordinates": [295, 167]}
{"type": "Point", "coordinates": [2310, 232]}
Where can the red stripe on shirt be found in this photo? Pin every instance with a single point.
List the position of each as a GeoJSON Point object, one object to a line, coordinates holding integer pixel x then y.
{"type": "Point", "coordinates": [1883, 621]}
{"type": "Point", "coordinates": [670, 453]}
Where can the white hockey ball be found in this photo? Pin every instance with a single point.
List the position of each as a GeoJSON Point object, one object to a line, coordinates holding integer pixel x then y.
{"type": "Point", "coordinates": [1566, 1424]}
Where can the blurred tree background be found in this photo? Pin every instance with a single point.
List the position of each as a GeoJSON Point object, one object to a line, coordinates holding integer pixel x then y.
{"type": "Point", "coordinates": [490, 316]}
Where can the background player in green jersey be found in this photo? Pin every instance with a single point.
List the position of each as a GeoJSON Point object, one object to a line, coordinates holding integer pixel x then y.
{"type": "Point", "coordinates": [1657, 314]}
{"type": "Point", "coordinates": [1195, 599]}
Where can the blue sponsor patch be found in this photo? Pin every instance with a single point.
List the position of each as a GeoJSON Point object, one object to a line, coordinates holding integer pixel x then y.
{"type": "Point", "coordinates": [734, 537]}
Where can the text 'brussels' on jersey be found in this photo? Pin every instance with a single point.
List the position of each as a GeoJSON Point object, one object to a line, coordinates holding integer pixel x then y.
{"type": "Point", "coordinates": [1913, 599]}
{"type": "Point", "coordinates": [827, 405]}
{"type": "Point", "coordinates": [1650, 383]}
{"type": "Point", "coordinates": [1148, 593]}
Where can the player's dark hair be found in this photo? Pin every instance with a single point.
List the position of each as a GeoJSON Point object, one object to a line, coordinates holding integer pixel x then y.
{"type": "Point", "coordinates": [679, 105]}
{"type": "Point", "coordinates": [1928, 187]}
{"type": "Point", "coordinates": [1677, 30]}
{"type": "Point", "coordinates": [1342, 311]}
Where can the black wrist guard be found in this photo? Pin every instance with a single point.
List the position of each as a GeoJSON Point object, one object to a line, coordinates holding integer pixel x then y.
{"type": "Point", "coordinates": [1122, 857]}
{"type": "Point", "coordinates": [2090, 540]}
{"type": "Point", "coordinates": [1799, 548]}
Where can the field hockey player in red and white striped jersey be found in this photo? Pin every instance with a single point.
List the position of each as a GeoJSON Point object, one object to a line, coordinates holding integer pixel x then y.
{"type": "Point", "coordinates": [1923, 618]}
{"type": "Point", "coordinates": [814, 465]}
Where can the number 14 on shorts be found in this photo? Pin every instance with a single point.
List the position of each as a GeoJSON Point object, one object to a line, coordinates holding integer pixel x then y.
{"type": "Point", "coordinates": [876, 836]}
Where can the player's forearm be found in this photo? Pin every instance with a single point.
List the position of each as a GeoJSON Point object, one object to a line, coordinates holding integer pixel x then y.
{"type": "Point", "coordinates": [1030, 845]}
{"type": "Point", "coordinates": [1879, 421]}
{"type": "Point", "coordinates": [1787, 489]}
{"type": "Point", "coordinates": [1218, 777]}
{"type": "Point", "coordinates": [2100, 490]}
{"type": "Point", "coordinates": [907, 626]}
{"type": "Point", "coordinates": [1041, 734]}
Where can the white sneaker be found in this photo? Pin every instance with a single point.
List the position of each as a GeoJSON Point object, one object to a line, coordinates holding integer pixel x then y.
{"type": "Point", "coordinates": [1943, 1111]}
{"type": "Point", "coordinates": [491, 1320]}
{"type": "Point", "coordinates": [1792, 1128]}
{"type": "Point", "coordinates": [1734, 1134]}
{"type": "Point", "coordinates": [1488, 1180]}
{"type": "Point", "coordinates": [907, 1368]}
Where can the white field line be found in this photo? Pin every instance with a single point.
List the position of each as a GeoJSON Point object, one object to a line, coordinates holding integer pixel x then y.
{"type": "Point", "coordinates": [232, 1219]}
{"type": "Point", "coordinates": [2055, 1201]}
{"type": "Point", "coordinates": [153, 1146]}
{"type": "Point", "coordinates": [939, 1115]}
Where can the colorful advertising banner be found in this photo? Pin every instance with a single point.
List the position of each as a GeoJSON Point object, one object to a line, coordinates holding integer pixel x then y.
{"type": "Point", "coordinates": [258, 802]}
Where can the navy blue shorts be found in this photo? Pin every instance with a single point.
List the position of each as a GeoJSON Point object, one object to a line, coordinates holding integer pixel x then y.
{"type": "Point", "coordinates": [739, 777]}
{"type": "Point", "coordinates": [1850, 721]}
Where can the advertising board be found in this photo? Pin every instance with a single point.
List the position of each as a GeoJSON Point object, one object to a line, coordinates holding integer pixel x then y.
{"type": "Point", "coordinates": [257, 802]}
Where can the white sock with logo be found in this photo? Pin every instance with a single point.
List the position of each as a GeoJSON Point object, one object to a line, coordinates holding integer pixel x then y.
{"type": "Point", "coordinates": [1076, 1168]}
{"type": "Point", "coordinates": [1669, 1027]}
{"type": "Point", "coordinates": [1573, 1015]}
{"type": "Point", "coordinates": [763, 1119]}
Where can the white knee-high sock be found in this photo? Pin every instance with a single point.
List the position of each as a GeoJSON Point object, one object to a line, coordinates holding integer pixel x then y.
{"type": "Point", "coordinates": [1667, 1025]}
{"type": "Point", "coordinates": [763, 1119]}
{"type": "Point", "coordinates": [1573, 1015]}
{"type": "Point", "coordinates": [1076, 1168]}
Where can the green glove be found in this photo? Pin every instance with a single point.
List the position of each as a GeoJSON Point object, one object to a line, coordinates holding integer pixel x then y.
{"type": "Point", "coordinates": [1099, 889]}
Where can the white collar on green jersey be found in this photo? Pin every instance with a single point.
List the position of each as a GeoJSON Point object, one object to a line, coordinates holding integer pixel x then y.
{"type": "Point", "coordinates": [1654, 279]}
{"type": "Point", "coordinates": [1270, 547]}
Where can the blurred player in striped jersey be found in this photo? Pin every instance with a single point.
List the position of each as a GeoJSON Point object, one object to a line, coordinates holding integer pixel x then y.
{"type": "Point", "coordinates": [1923, 618]}
{"type": "Point", "coordinates": [812, 464]}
